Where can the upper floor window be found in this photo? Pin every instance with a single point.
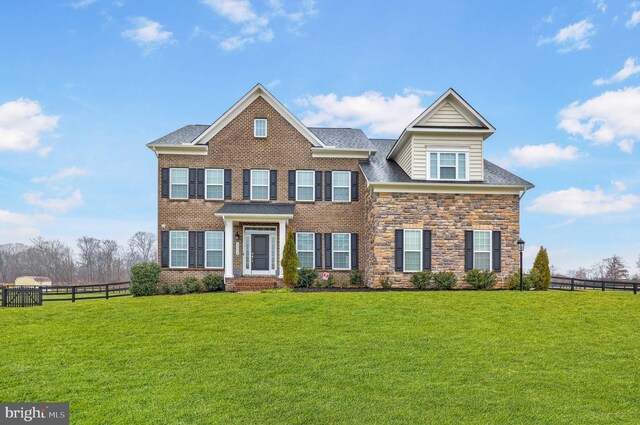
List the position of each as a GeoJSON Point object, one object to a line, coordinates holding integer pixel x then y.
{"type": "Point", "coordinates": [259, 185]}
{"type": "Point", "coordinates": [412, 250]}
{"type": "Point", "coordinates": [179, 181]}
{"type": "Point", "coordinates": [305, 249]}
{"type": "Point", "coordinates": [482, 249]}
{"type": "Point", "coordinates": [448, 165]}
{"type": "Point", "coordinates": [214, 181]}
{"type": "Point", "coordinates": [305, 188]}
{"type": "Point", "coordinates": [341, 186]}
{"type": "Point", "coordinates": [260, 127]}
{"type": "Point", "coordinates": [178, 249]}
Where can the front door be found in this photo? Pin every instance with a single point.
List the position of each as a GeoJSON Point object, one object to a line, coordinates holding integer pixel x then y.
{"type": "Point", "coordinates": [260, 252]}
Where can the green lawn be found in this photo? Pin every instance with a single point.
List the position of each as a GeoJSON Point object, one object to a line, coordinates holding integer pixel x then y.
{"type": "Point", "coordinates": [398, 357]}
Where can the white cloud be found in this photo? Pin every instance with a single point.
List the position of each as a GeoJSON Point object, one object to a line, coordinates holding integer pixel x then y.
{"type": "Point", "coordinates": [9, 217]}
{"type": "Point", "coordinates": [148, 34]}
{"type": "Point", "coordinates": [535, 156]}
{"type": "Point", "coordinates": [383, 115]}
{"type": "Point", "coordinates": [630, 68]}
{"type": "Point", "coordinates": [607, 118]}
{"type": "Point", "coordinates": [54, 204]}
{"type": "Point", "coordinates": [626, 145]}
{"type": "Point", "coordinates": [576, 202]}
{"type": "Point", "coordinates": [634, 20]}
{"type": "Point", "coordinates": [419, 92]}
{"type": "Point", "coordinates": [573, 37]}
{"type": "Point", "coordinates": [81, 4]}
{"type": "Point", "coordinates": [600, 5]}
{"type": "Point", "coordinates": [65, 173]}
{"type": "Point", "coordinates": [273, 83]}
{"type": "Point", "coordinates": [21, 125]}
{"type": "Point", "coordinates": [236, 11]}
{"type": "Point", "coordinates": [619, 185]}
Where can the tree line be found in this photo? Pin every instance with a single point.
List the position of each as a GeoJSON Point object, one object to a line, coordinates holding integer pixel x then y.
{"type": "Point", "coordinates": [92, 261]}
{"type": "Point", "coordinates": [612, 268]}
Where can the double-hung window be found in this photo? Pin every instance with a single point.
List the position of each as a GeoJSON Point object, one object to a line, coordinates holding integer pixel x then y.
{"type": "Point", "coordinates": [304, 247]}
{"type": "Point", "coordinates": [341, 251]}
{"type": "Point", "coordinates": [305, 188]}
{"type": "Point", "coordinates": [179, 183]}
{"type": "Point", "coordinates": [214, 181]}
{"type": "Point", "coordinates": [448, 165]}
{"type": "Point", "coordinates": [213, 246]}
{"type": "Point", "coordinates": [341, 186]}
{"type": "Point", "coordinates": [482, 249]}
{"type": "Point", "coordinates": [260, 127]}
{"type": "Point", "coordinates": [412, 250]}
{"type": "Point", "coordinates": [259, 185]}
{"type": "Point", "coordinates": [178, 249]}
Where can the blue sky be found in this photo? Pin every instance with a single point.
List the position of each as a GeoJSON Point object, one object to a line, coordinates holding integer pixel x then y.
{"type": "Point", "coordinates": [85, 84]}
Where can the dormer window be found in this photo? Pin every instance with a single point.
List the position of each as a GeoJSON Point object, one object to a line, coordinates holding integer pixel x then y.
{"type": "Point", "coordinates": [448, 166]}
{"type": "Point", "coordinates": [260, 127]}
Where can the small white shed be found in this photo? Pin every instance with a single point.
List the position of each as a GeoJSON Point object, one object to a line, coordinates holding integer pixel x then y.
{"type": "Point", "coordinates": [33, 281]}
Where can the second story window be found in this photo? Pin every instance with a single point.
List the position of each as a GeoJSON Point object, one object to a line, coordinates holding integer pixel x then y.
{"type": "Point", "coordinates": [179, 180]}
{"type": "Point", "coordinates": [259, 185]}
{"type": "Point", "coordinates": [448, 165]}
{"type": "Point", "coordinates": [214, 180]}
{"type": "Point", "coordinates": [341, 186]}
{"type": "Point", "coordinates": [305, 188]}
{"type": "Point", "coordinates": [260, 127]}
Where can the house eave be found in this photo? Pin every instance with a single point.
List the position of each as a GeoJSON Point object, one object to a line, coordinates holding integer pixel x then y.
{"type": "Point", "coordinates": [331, 152]}
{"type": "Point", "coordinates": [184, 149]}
{"type": "Point", "coordinates": [449, 188]}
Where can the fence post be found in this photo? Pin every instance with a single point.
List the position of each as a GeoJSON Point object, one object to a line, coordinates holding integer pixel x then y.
{"type": "Point", "coordinates": [635, 288]}
{"type": "Point", "coordinates": [40, 290]}
{"type": "Point", "coordinates": [4, 296]}
{"type": "Point", "coordinates": [572, 283]}
{"type": "Point", "coordinates": [73, 294]}
{"type": "Point", "coordinates": [107, 286]}
{"type": "Point", "coordinates": [603, 286]}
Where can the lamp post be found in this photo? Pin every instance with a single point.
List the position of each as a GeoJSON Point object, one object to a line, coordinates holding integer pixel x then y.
{"type": "Point", "coordinates": [521, 249]}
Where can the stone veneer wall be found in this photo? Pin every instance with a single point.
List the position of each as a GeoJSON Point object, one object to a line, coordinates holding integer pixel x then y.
{"type": "Point", "coordinates": [448, 216]}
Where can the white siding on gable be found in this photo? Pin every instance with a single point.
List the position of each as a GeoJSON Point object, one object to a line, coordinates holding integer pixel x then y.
{"type": "Point", "coordinates": [423, 143]}
{"type": "Point", "coordinates": [404, 158]}
{"type": "Point", "coordinates": [447, 116]}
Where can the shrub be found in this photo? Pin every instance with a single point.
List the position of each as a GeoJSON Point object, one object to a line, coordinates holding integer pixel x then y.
{"type": "Point", "coordinates": [384, 280]}
{"type": "Point", "coordinates": [536, 280]}
{"type": "Point", "coordinates": [331, 281]}
{"type": "Point", "coordinates": [481, 279]}
{"type": "Point", "coordinates": [213, 282]}
{"type": "Point", "coordinates": [306, 277]}
{"type": "Point", "coordinates": [421, 279]}
{"type": "Point", "coordinates": [290, 261]}
{"type": "Point", "coordinates": [145, 278]}
{"type": "Point", "coordinates": [355, 278]}
{"type": "Point", "coordinates": [163, 288]}
{"type": "Point", "coordinates": [543, 272]}
{"type": "Point", "coordinates": [445, 280]}
{"type": "Point", "coordinates": [174, 288]}
{"type": "Point", "coordinates": [193, 284]}
{"type": "Point", "coordinates": [513, 282]}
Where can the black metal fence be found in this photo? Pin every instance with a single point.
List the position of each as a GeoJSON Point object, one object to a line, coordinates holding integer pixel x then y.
{"type": "Point", "coordinates": [27, 296]}
{"type": "Point", "coordinates": [571, 284]}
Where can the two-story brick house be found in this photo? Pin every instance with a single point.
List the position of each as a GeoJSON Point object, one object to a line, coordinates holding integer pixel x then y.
{"type": "Point", "coordinates": [227, 192]}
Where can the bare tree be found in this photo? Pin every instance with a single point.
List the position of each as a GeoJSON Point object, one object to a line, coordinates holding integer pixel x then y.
{"type": "Point", "coordinates": [8, 254]}
{"type": "Point", "coordinates": [581, 273]}
{"type": "Point", "coordinates": [50, 258]}
{"type": "Point", "coordinates": [615, 268]}
{"type": "Point", "coordinates": [142, 246]}
{"type": "Point", "coordinates": [89, 253]}
{"type": "Point", "coordinates": [598, 270]}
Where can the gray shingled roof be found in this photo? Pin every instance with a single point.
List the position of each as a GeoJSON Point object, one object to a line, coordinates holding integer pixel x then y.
{"type": "Point", "coordinates": [256, 208]}
{"type": "Point", "coordinates": [186, 134]}
{"type": "Point", "coordinates": [346, 138]}
{"type": "Point", "coordinates": [380, 170]}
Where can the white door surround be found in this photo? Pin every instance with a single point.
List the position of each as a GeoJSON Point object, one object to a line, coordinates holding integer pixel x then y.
{"type": "Point", "coordinates": [247, 252]}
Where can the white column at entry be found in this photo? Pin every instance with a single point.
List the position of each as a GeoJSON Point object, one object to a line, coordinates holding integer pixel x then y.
{"type": "Point", "coordinates": [228, 248]}
{"type": "Point", "coordinates": [282, 237]}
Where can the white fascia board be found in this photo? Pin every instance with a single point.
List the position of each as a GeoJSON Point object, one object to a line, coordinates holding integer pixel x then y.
{"type": "Point", "coordinates": [262, 218]}
{"type": "Point", "coordinates": [341, 153]}
{"type": "Point", "coordinates": [180, 149]}
{"type": "Point", "coordinates": [446, 188]}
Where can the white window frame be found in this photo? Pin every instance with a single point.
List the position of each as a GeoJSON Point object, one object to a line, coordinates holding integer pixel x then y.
{"type": "Point", "coordinates": [333, 186]}
{"type": "Point", "coordinates": [453, 151]}
{"type": "Point", "coordinates": [171, 249]}
{"type": "Point", "coordinates": [333, 251]}
{"type": "Point", "coordinates": [312, 250]}
{"type": "Point", "coordinates": [405, 250]}
{"type": "Point", "coordinates": [207, 249]}
{"type": "Point", "coordinates": [255, 128]}
{"type": "Point", "coordinates": [206, 185]}
{"type": "Point", "coordinates": [171, 183]}
{"type": "Point", "coordinates": [312, 186]}
{"type": "Point", "coordinates": [475, 232]}
{"type": "Point", "coordinates": [268, 185]}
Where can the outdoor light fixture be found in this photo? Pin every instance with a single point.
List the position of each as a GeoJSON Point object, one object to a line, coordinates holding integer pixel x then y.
{"type": "Point", "coordinates": [237, 235]}
{"type": "Point", "coordinates": [521, 249]}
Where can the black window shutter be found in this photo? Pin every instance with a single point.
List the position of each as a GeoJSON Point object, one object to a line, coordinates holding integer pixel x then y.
{"type": "Point", "coordinates": [192, 183]}
{"type": "Point", "coordinates": [468, 250]}
{"type": "Point", "coordinates": [354, 186]}
{"type": "Point", "coordinates": [318, 185]}
{"type": "Point", "coordinates": [164, 249]}
{"type": "Point", "coordinates": [426, 249]}
{"type": "Point", "coordinates": [227, 184]}
{"type": "Point", "coordinates": [355, 263]}
{"type": "Point", "coordinates": [200, 176]}
{"type": "Point", "coordinates": [273, 183]}
{"type": "Point", "coordinates": [399, 250]}
{"type": "Point", "coordinates": [327, 250]}
{"type": "Point", "coordinates": [165, 182]}
{"type": "Point", "coordinates": [497, 250]}
{"type": "Point", "coordinates": [327, 185]}
{"type": "Point", "coordinates": [192, 250]}
{"type": "Point", "coordinates": [200, 244]}
{"type": "Point", "coordinates": [246, 184]}
{"type": "Point", "coordinates": [318, 251]}
{"type": "Point", "coordinates": [292, 185]}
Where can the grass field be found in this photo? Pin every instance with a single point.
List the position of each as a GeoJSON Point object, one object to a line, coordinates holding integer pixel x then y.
{"type": "Point", "coordinates": [418, 357]}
